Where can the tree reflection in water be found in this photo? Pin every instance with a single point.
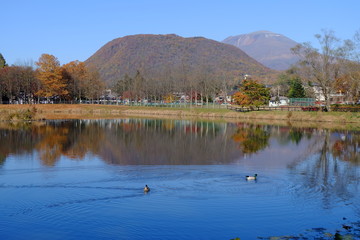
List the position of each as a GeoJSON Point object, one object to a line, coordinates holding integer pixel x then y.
{"type": "Point", "coordinates": [125, 141]}
{"type": "Point", "coordinates": [167, 142]}
{"type": "Point", "coordinates": [251, 138]}
{"type": "Point", "coordinates": [347, 146]}
{"type": "Point", "coordinates": [177, 142]}
{"type": "Point", "coordinates": [328, 170]}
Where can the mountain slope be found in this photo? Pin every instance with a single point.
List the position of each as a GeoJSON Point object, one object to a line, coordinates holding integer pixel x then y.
{"type": "Point", "coordinates": [270, 49]}
{"type": "Point", "coordinates": [172, 56]}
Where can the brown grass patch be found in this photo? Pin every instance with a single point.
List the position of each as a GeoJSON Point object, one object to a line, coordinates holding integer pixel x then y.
{"type": "Point", "coordinates": [93, 111]}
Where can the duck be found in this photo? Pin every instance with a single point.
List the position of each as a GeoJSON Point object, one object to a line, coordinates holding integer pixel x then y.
{"type": "Point", "coordinates": [146, 188]}
{"type": "Point", "coordinates": [251, 177]}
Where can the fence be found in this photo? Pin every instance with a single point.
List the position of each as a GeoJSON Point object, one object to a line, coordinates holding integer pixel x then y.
{"type": "Point", "coordinates": [263, 108]}
{"type": "Point", "coordinates": [345, 109]}
{"type": "Point", "coordinates": [296, 108]}
{"type": "Point", "coordinates": [282, 108]}
{"type": "Point", "coordinates": [312, 108]}
{"type": "Point", "coordinates": [302, 101]}
{"type": "Point", "coordinates": [139, 104]}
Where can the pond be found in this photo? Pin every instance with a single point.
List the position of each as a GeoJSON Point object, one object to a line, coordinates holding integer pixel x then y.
{"type": "Point", "coordinates": [84, 179]}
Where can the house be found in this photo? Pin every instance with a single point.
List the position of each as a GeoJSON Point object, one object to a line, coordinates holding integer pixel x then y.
{"type": "Point", "coordinates": [318, 93]}
{"type": "Point", "coordinates": [229, 96]}
{"type": "Point", "coordinates": [335, 97]}
{"type": "Point", "coordinates": [278, 101]}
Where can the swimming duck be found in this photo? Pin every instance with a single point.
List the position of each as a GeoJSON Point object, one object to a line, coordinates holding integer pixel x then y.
{"type": "Point", "coordinates": [146, 188]}
{"type": "Point", "coordinates": [251, 177]}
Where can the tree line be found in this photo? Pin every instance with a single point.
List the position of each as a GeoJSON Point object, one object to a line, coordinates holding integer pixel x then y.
{"type": "Point", "coordinates": [333, 68]}
{"type": "Point", "coordinates": [171, 85]}
{"type": "Point", "coordinates": [75, 82]}
{"type": "Point", "coordinates": [49, 82]}
{"type": "Point", "coordinates": [74, 139]}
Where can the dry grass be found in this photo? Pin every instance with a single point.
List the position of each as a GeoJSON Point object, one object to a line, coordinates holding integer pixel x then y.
{"type": "Point", "coordinates": [91, 111]}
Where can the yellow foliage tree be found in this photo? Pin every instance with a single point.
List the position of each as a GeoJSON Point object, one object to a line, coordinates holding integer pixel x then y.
{"type": "Point", "coordinates": [49, 73]}
{"type": "Point", "coordinates": [169, 98]}
{"type": "Point", "coordinates": [75, 73]}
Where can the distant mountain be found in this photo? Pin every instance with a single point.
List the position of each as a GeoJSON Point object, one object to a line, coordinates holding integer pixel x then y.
{"type": "Point", "coordinates": [270, 49]}
{"type": "Point", "coordinates": [172, 56]}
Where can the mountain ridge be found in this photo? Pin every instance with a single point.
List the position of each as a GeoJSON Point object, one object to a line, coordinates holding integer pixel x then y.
{"type": "Point", "coordinates": [159, 55]}
{"type": "Point", "coordinates": [271, 49]}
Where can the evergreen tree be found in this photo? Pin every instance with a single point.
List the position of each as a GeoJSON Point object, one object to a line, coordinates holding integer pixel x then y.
{"type": "Point", "coordinates": [2, 61]}
{"type": "Point", "coordinates": [323, 66]}
{"type": "Point", "coordinates": [296, 89]}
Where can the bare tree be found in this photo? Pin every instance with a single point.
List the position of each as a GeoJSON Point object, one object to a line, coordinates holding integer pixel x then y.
{"type": "Point", "coordinates": [323, 66]}
{"type": "Point", "coordinates": [94, 87]}
{"type": "Point", "coordinates": [353, 67]}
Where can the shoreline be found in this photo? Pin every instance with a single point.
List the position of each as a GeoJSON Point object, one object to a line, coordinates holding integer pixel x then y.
{"type": "Point", "coordinates": [92, 111]}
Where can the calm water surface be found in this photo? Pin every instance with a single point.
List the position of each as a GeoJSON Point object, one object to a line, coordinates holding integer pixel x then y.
{"type": "Point", "coordinates": [84, 179]}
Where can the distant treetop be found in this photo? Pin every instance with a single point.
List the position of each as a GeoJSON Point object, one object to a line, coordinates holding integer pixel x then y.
{"type": "Point", "coordinates": [2, 61]}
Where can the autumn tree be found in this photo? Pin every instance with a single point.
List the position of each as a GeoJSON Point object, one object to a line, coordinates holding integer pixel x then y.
{"type": "Point", "coordinates": [349, 85]}
{"type": "Point", "coordinates": [251, 93]}
{"type": "Point", "coordinates": [323, 66]}
{"type": "Point", "coordinates": [75, 74]}
{"type": "Point", "coordinates": [50, 76]}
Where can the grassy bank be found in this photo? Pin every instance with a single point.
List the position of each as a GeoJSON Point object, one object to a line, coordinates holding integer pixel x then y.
{"type": "Point", "coordinates": [90, 111]}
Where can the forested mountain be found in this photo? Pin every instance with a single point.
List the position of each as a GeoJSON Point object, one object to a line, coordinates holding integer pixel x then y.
{"type": "Point", "coordinates": [270, 49]}
{"type": "Point", "coordinates": [174, 58]}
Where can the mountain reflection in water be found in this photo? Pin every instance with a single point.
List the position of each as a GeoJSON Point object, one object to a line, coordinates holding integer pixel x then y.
{"type": "Point", "coordinates": [87, 177]}
{"type": "Point", "coordinates": [171, 142]}
{"type": "Point", "coordinates": [124, 142]}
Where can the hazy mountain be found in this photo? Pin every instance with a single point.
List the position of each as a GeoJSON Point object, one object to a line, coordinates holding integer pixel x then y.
{"type": "Point", "coordinates": [270, 49]}
{"type": "Point", "coordinates": [172, 56]}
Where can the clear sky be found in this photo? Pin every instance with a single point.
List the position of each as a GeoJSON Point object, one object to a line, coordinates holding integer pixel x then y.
{"type": "Point", "coordinates": [76, 29]}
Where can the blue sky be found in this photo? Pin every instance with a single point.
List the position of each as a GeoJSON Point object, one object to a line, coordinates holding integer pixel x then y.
{"type": "Point", "coordinates": [76, 29]}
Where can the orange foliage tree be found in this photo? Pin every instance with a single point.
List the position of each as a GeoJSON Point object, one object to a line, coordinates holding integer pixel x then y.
{"type": "Point", "coordinates": [50, 76]}
{"type": "Point", "coordinates": [75, 74]}
{"type": "Point", "coordinates": [252, 93]}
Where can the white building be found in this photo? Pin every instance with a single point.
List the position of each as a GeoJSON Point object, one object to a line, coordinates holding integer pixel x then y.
{"type": "Point", "coordinates": [278, 101]}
